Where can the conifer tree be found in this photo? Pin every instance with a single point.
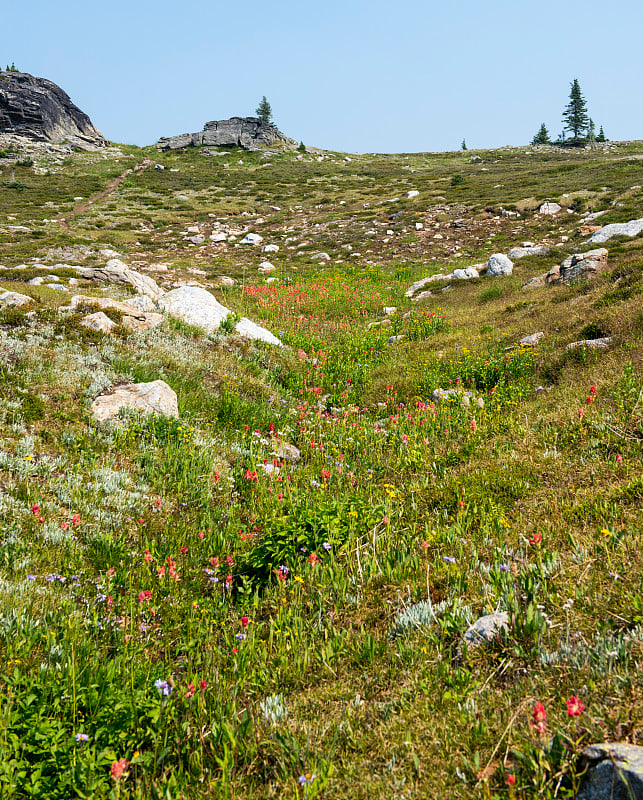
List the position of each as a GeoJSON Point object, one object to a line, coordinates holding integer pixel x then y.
{"type": "Point", "coordinates": [575, 116]}
{"type": "Point", "coordinates": [542, 137]}
{"type": "Point", "coordinates": [264, 110]}
{"type": "Point", "coordinates": [463, 146]}
{"type": "Point", "coordinates": [601, 135]}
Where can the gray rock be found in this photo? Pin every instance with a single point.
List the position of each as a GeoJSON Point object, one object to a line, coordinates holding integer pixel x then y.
{"type": "Point", "coordinates": [632, 228]}
{"type": "Point", "coordinates": [98, 322]}
{"type": "Point", "coordinates": [320, 257]}
{"type": "Point", "coordinates": [499, 264]}
{"type": "Point", "coordinates": [579, 266]}
{"type": "Point", "coordinates": [464, 274]}
{"type": "Point", "coordinates": [597, 344]}
{"type": "Point", "coordinates": [195, 306]}
{"type": "Point", "coordinates": [532, 340]}
{"type": "Point", "coordinates": [142, 302]}
{"type": "Point", "coordinates": [266, 266]}
{"type": "Point", "coordinates": [115, 271]}
{"type": "Point", "coordinates": [218, 237]}
{"type": "Point", "coordinates": [549, 209]}
{"type": "Point", "coordinates": [155, 397]}
{"type": "Point", "coordinates": [250, 330]}
{"type": "Point", "coordinates": [270, 248]}
{"type": "Point", "coordinates": [198, 239]}
{"type": "Point", "coordinates": [39, 109]}
{"type": "Point", "coordinates": [252, 238]}
{"type": "Point", "coordinates": [487, 628]}
{"type": "Point", "coordinates": [250, 133]}
{"type": "Point", "coordinates": [286, 451]}
{"type": "Point", "coordinates": [535, 282]}
{"type": "Point", "coordinates": [412, 193]}
{"type": "Point", "coordinates": [8, 299]}
{"type": "Point", "coordinates": [524, 251]}
{"type": "Point", "coordinates": [615, 772]}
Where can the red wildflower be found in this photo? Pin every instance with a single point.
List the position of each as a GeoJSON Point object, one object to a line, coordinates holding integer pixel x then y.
{"type": "Point", "coordinates": [35, 509]}
{"type": "Point", "coordinates": [313, 559]}
{"type": "Point", "coordinates": [245, 621]}
{"type": "Point", "coordinates": [118, 768]}
{"type": "Point", "coordinates": [190, 691]}
{"type": "Point", "coordinates": [574, 706]}
{"type": "Point", "coordinates": [538, 717]}
{"type": "Point", "coordinates": [511, 780]}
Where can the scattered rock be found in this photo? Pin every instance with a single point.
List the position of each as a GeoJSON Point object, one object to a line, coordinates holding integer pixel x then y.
{"type": "Point", "coordinates": [115, 271]}
{"type": "Point", "coordinates": [579, 266]}
{"type": "Point", "coordinates": [132, 317]}
{"type": "Point", "coordinates": [320, 257]}
{"type": "Point", "coordinates": [155, 397]}
{"type": "Point", "coordinates": [412, 193]}
{"type": "Point", "coordinates": [219, 237]}
{"type": "Point", "coordinates": [198, 239]}
{"type": "Point", "coordinates": [535, 282]}
{"type": "Point", "coordinates": [632, 228]}
{"type": "Point", "coordinates": [464, 274]}
{"type": "Point", "coordinates": [286, 452]}
{"type": "Point", "coordinates": [8, 299]}
{"type": "Point", "coordinates": [252, 238]}
{"type": "Point", "coordinates": [597, 344]}
{"type": "Point", "coordinates": [250, 330]}
{"type": "Point", "coordinates": [549, 209]}
{"type": "Point", "coordinates": [225, 280]}
{"type": "Point", "coordinates": [142, 302]}
{"type": "Point", "coordinates": [195, 306]}
{"type": "Point", "coordinates": [614, 772]}
{"type": "Point", "coordinates": [98, 322]}
{"type": "Point", "coordinates": [266, 266]}
{"type": "Point", "coordinates": [270, 248]}
{"type": "Point", "coordinates": [487, 628]}
{"type": "Point", "coordinates": [532, 340]}
{"type": "Point", "coordinates": [499, 264]}
{"type": "Point", "coordinates": [527, 250]}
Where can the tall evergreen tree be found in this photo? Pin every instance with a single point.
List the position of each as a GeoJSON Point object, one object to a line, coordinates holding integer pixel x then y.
{"type": "Point", "coordinates": [463, 146]}
{"type": "Point", "coordinates": [575, 116]}
{"type": "Point", "coordinates": [542, 137]}
{"type": "Point", "coordinates": [264, 110]}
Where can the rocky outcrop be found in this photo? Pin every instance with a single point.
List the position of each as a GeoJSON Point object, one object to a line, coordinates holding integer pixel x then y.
{"type": "Point", "coordinates": [579, 267]}
{"type": "Point", "coordinates": [149, 398]}
{"type": "Point", "coordinates": [115, 271]}
{"type": "Point", "coordinates": [631, 228]}
{"type": "Point", "coordinates": [38, 109]}
{"type": "Point", "coordinates": [250, 133]}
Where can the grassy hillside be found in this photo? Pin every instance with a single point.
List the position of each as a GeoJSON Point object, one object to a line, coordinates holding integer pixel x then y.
{"type": "Point", "coordinates": [188, 611]}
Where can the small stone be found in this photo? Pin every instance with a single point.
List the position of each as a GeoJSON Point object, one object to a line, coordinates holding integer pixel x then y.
{"type": "Point", "coordinates": [252, 238]}
{"type": "Point", "coordinates": [532, 340]}
{"type": "Point", "coordinates": [597, 344]}
{"type": "Point", "coordinates": [270, 248]}
{"type": "Point", "coordinates": [487, 628]}
{"type": "Point", "coordinates": [412, 193]}
{"type": "Point", "coordinates": [549, 209]}
{"type": "Point", "coordinates": [266, 266]}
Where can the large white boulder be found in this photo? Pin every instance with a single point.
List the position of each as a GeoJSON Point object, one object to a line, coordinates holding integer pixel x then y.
{"type": "Point", "coordinates": [13, 299]}
{"type": "Point", "coordinates": [150, 398]}
{"type": "Point", "coordinates": [631, 228]}
{"type": "Point", "coordinates": [249, 329]}
{"type": "Point", "coordinates": [549, 209]}
{"type": "Point", "coordinates": [252, 238]}
{"type": "Point", "coordinates": [195, 306]}
{"type": "Point", "coordinates": [499, 264]}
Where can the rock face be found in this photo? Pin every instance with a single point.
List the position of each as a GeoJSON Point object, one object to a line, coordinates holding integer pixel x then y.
{"type": "Point", "coordinates": [38, 109]}
{"type": "Point", "coordinates": [250, 133]}
{"type": "Point", "coordinates": [615, 772]}
{"type": "Point", "coordinates": [155, 397]}
{"type": "Point", "coordinates": [632, 228]}
{"type": "Point", "coordinates": [132, 317]}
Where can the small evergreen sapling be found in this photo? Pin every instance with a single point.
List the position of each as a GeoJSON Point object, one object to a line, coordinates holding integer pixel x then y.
{"type": "Point", "coordinates": [542, 137]}
{"type": "Point", "coordinates": [264, 110]}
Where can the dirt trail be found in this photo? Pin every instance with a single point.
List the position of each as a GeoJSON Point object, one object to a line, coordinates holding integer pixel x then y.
{"type": "Point", "coordinates": [112, 186]}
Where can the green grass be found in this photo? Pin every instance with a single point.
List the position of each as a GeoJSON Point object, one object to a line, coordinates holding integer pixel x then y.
{"type": "Point", "coordinates": [233, 621]}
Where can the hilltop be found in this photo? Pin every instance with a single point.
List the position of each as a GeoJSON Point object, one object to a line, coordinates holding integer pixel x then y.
{"type": "Point", "coordinates": [270, 585]}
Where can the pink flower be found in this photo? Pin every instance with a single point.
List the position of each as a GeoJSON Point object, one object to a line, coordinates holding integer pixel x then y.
{"type": "Point", "coordinates": [75, 520]}
{"type": "Point", "coordinates": [580, 413]}
{"type": "Point", "coordinates": [190, 691]}
{"type": "Point", "coordinates": [118, 768]}
{"type": "Point", "coordinates": [245, 621]}
{"type": "Point", "coordinates": [147, 556]}
{"type": "Point", "coordinates": [574, 706]}
{"type": "Point", "coordinates": [313, 559]}
{"type": "Point", "coordinates": [592, 390]}
{"type": "Point", "coordinates": [511, 780]}
{"type": "Point", "coordinates": [35, 509]}
{"type": "Point", "coordinates": [473, 425]}
{"type": "Point", "coordinates": [64, 525]}
{"type": "Point", "coordinates": [203, 685]}
{"type": "Point", "coordinates": [184, 549]}
{"type": "Point", "coordinates": [536, 538]}
{"type": "Point", "coordinates": [146, 595]}
{"type": "Point", "coordinates": [619, 458]}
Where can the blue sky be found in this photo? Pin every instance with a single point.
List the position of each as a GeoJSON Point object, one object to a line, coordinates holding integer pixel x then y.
{"type": "Point", "coordinates": [357, 75]}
